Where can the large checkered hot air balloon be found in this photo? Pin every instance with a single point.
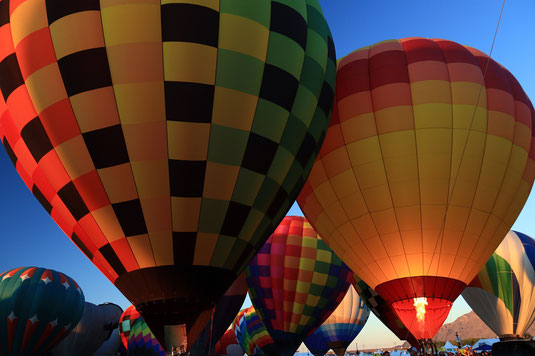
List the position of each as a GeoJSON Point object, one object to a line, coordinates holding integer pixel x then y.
{"type": "Point", "coordinates": [39, 307]}
{"type": "Point", "coordinates": [428, 160]}
{"type": "Point", "coordinates": [295, 282]}
{"type": "Point", "coordinates": [166, 139]}
{"type": "Point", "coordinates": [503, 292]}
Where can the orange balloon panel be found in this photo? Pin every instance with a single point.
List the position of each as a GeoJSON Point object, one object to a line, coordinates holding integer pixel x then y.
{"type": "Point", "coordinates": [427, 162]}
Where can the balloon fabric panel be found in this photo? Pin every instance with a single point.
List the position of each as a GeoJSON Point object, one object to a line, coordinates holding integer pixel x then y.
{"type": "Point", "coordinates": [295, 282]}
{"type": "Point", "coordinates": [224, 344]}
{"type": "Point", "coordinates": [223, 315]}
{"type": "Point", "coordinates": [39, 307]}
{"type": "Point", "coordinates": [502, 293]}
{"type": "Point", "coordinates": [424, 139]}
{"type": "Point", "coordinates": [183, 141]}
{"type": "Point", "coordinates": [142, 341]}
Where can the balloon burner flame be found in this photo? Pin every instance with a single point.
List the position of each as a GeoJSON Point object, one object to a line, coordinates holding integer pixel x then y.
{"type": "Point", "coordinates": [419, 304]}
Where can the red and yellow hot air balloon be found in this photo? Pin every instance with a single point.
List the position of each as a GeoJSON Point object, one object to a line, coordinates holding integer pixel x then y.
{"type": "Point", "coordinates": [166, 139]}
{"type": "Point", "coordinates": [427, 162]}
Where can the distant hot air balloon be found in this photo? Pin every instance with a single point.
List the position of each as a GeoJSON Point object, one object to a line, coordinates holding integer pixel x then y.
{"type": "Point", "coordinates": [39, 307]}
{"type": "Point", "coordinates": [142, 342]}
{"type": "Point", "coordinates": [295, 282]}
{"type": "Point", "coordinates": [126, 321]}
{"type": "Point", "coordinates": [225, 311]}
{"type": "Point", "coordinates": [342, 326]}
{"type": "Point", "coordinates": [228, 345]}
{"type": "Point", "coordinates": [166, 140]}
{"type": "Point", "coordinates": [95, 327]}
{"type": "Point", "coordinates": [252, 334]}
{"type": "Point", "coordinates": [503, 293]}
{"type": "Point", "coordinates": [427, 162]}
{"type": "Point", "coordinates": [383, 311]}
{"type": "Point", "coordinates": [242, 335]}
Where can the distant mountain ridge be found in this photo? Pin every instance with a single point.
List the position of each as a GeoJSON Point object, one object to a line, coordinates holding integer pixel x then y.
{"type": "Point", "coordinates": [468, 326]}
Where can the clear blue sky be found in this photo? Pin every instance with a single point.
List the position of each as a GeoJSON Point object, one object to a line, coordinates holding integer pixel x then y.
{"type": "Point", "coordinates": [30, 237]}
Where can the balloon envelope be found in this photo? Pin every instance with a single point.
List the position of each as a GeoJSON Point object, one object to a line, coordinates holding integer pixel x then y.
{"type": "Point", "coordinates": [39, 308]}
{"type": "Point", "coordinates": [111, 346]}
{"type": "Point", "coordinates": [242, 333]}
{"type": "Point", "coordinates": [342, 326]}
{"type": "Point", "coordinates": [168, 153]}
{"type": "Point", "coordinates": [126, 321]}
{"type": "Point", "coordinates": [295, 282]}
{"type": "Point", "coordinates": [503, 293]}
{"type": "Point", "coordinates": [142, 342]}
{"type": "Point", "coordinates": [95, 327]}
{"type": "Point", "coordinates": [427, 162]}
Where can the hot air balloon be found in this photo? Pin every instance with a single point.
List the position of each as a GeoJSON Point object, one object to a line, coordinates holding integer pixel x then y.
{"type": "Point", "coordinates": [503, 293]}
{"type": "Point", "coordinates": [39, 307]}
{"type": "Point", "coordinates": [242, 335]}
{"type": "Point", "coordinates": [342, 326]}
{"type": "Point", "coordinates": [252, 334]}
{"type": "Point", "coordinates": [228, 345]}
{"type": "Point", "coordinates": [383, 311]}
{"type": "Point", "coordinates": [427, 162]}
{"type": "Point", "coordinates": [111, 346]}
{"type": "Point", "coordinates": [224, 313]}
{"type": "Point", "coordinates": [126, 321]}
{"type": "Point", "coordinates": [170, 151]}
{"type": "Point", "coordinates": [92, 330]}
{"type": "Point", "coordinates": [142, 342]}
{"type": "Point", "coordinates": [295, 282]}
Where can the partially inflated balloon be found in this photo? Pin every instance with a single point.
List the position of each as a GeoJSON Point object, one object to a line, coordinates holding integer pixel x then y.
{"type": "Point", "coordinates": [95, 327]}
{"type": "Point", "coordinates": [427, 162]}
{"type": "Point", "coordinates": [342, 326]}
{"type": "Point", "coordinates": [503, 293]}
{"type": "Point", "coordinates": [383, 311]}
{"type": "Point", "coordinates": [228, 345]}
{"type": "Point", "coordinates": [126, 321]}
{"type": "Point", "coordinates": [167, 140]}
{"type": "Point", "coordinates": [142, 342]}
{"type": "Point", "coordinates": [256, 334]}
{"type": "Point", "coordinates": [39, 307]}
{"type": "Point", "coordinates": [295, 282]}
{"type": "Point", "coordinates": [225, 311]}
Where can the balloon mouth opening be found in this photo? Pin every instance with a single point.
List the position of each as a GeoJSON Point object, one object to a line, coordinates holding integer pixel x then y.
{"type": "Point", "coordinates": [423, 316]}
